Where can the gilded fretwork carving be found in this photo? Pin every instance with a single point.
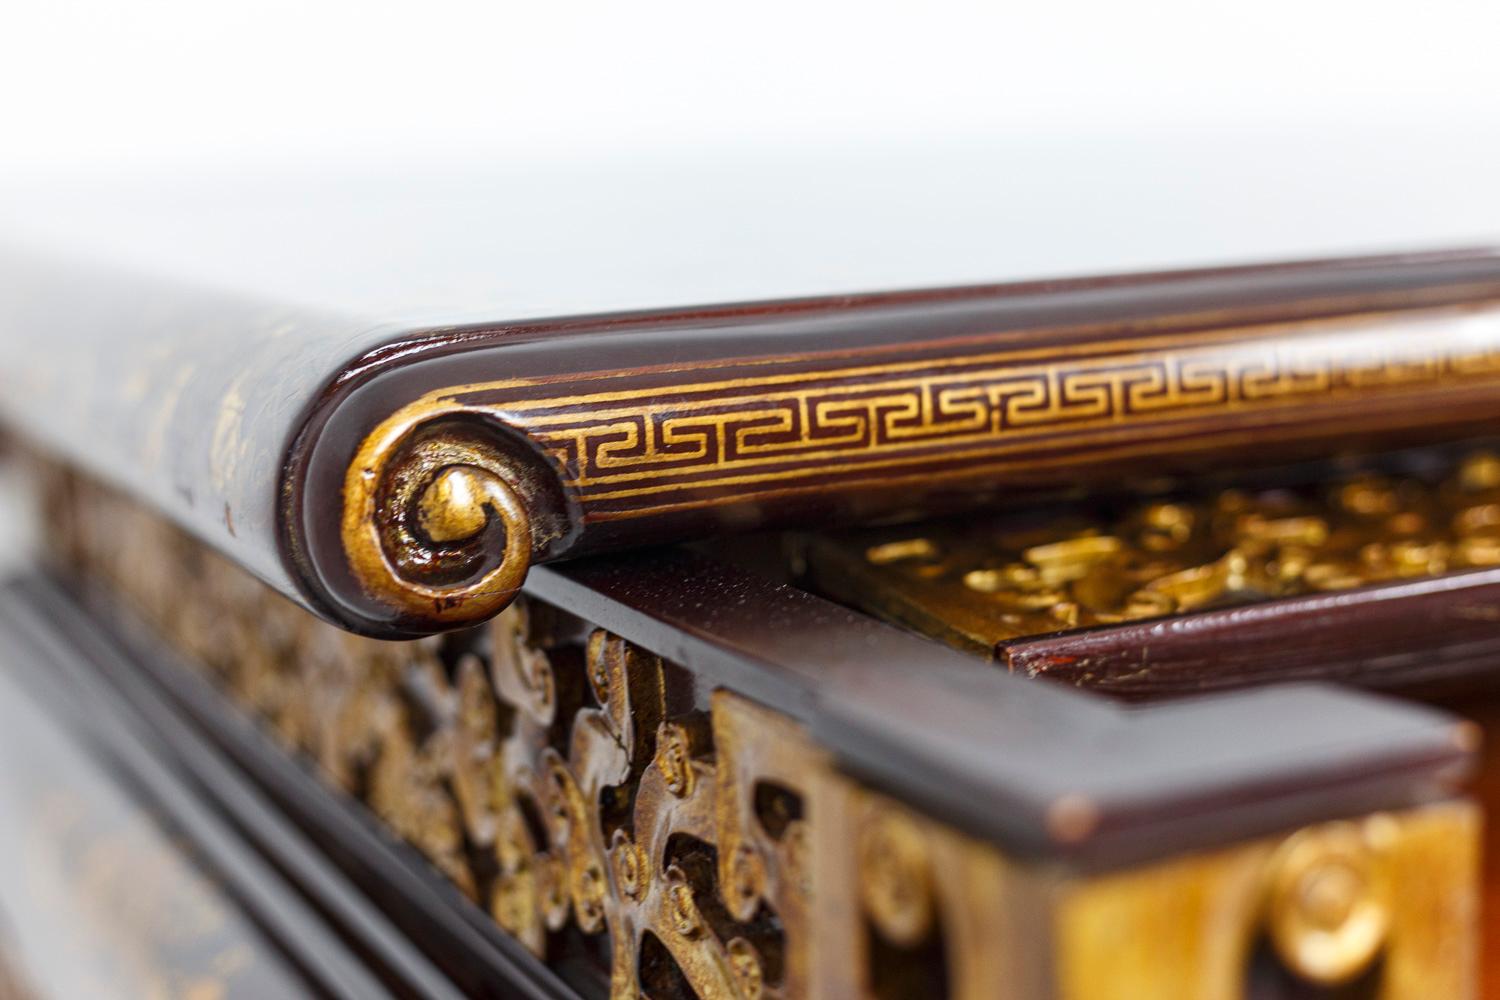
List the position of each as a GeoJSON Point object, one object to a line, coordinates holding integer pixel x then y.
{"type": "Point", "coordinates": [647, 827]}
{"type": "Point", "coordinates": [696, 843]}
{"type": "Point", "coordinates": [577, 786]}
{"type": "Point", "coordinates": [980, 581]}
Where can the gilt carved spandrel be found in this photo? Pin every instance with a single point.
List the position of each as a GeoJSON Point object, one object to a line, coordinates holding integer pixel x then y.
{"type": "Point", "coordinates": [1373, 907]}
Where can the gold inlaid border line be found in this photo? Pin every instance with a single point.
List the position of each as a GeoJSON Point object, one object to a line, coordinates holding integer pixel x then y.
{"type": "Point", "coordinates": [1010, 403]}
{"type": "Point", "coordinates": [1178, 342]}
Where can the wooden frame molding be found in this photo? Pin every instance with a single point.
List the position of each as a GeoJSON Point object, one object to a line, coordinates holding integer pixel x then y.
{"type": "Point", "coordinates": [851, 410]}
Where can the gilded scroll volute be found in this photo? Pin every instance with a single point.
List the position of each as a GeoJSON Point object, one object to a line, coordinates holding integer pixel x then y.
{"type": "Point", "coordinates": [441, 516]}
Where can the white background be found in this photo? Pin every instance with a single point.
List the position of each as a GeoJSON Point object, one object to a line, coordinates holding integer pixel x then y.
{"type": "Point", "coordinates": [102, 83]}
{"type": "Point", "coordinates": [464, 160]}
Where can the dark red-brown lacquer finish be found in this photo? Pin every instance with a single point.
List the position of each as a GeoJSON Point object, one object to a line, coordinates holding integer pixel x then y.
{"type": "Point", "coordinates": [414, 473]}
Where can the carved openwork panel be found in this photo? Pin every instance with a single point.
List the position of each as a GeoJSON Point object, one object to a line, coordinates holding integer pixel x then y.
{"type": "Point", "coordinates": [606, 806]}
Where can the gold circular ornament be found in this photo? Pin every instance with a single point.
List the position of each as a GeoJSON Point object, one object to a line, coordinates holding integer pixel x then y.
{"type": "Point", "coordinates": [454, 506]}
{"type": "Point", "coordinates": [630, 866]}
{"type": "Point", "coordinates": [745, 968]}
{"type": "Point", "coordinates": [673, 759]}
{"type": "Point", "coordinates": [513, 904]}
{"type": "Point", "coordinates": [746, 884]}
{"type": "Point", "coordinates": [682, 908]}
{"type": "Point", "coordinates": [895, 877]}
{"type": "Point", "coordinates": [598, 666]}
{"type": "Point", "coordinates": [422, 519]}
{"type": "Point", "coordinates": [589, 889]}
{"type": "Point", "coordinates": [1328, 909]}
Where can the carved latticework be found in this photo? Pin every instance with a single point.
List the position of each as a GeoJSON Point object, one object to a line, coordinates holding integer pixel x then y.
{"type": "Point", "coordinates": [604, 806]}
{"type": "Point", "coordinates": [612, 810]}
{"type": "Point", "coordinates": [582, 789]}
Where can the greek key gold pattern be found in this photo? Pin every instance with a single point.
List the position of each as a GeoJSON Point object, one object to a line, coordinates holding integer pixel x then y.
{"type": "Point", "coordinates": [693, 843]}
{"type": "Point", "coordinates": [623, 446]}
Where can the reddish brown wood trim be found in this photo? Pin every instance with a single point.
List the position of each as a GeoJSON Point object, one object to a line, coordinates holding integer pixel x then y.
{"type": "Point", "coordinates": [1410, 636]}
{"type": "Point", "coordinates": [619, 431]}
